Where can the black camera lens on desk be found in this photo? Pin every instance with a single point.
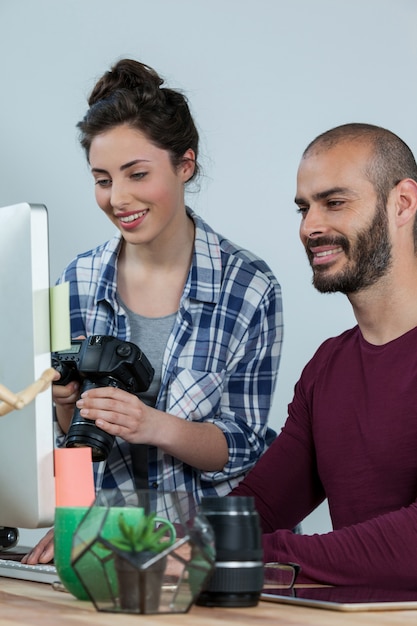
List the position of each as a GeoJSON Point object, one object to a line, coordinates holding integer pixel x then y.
{"type": "Point", "coordinates": [238, 575]}
{"type": "Point", "coordinates": [100, 361]}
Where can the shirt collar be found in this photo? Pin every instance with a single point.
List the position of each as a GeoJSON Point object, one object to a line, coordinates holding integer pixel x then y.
{"type": "Point", "coordinates": [204, 278]}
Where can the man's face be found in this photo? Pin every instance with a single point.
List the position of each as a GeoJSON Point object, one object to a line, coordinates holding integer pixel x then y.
{"type": "Point", "coordinates": [343, 228]}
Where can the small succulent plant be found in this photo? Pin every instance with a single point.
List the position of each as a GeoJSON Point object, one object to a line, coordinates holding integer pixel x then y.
{"type": "Point", "coordinates": [147, 535]}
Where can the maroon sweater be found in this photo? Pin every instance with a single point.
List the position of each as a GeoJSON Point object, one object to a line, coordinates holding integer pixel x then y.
{"type": "Point", "coordinates": [351, 437]}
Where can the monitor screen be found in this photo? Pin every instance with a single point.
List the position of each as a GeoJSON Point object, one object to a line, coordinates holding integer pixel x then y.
{"type": "Point", "coordinates": [27, 486]}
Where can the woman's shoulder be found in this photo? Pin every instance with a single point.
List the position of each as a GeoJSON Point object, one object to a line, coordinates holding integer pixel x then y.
{"type": "Point", "coordinates": [98, 258]}
{"type": "Point", "coordinates": [230, 256]}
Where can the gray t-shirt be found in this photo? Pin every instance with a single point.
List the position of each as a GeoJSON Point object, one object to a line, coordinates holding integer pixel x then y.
{"type": "Point", "coordinates": [151, 335]}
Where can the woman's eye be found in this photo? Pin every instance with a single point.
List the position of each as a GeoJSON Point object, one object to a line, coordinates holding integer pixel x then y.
{"type": "Point", "coordinates": [138, 175]}
{"type": "Point", "coordinates": [103, 182]}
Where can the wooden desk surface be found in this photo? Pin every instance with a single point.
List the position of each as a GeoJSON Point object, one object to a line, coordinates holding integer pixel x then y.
{"type": "Point", "coordinates": [23, 603]}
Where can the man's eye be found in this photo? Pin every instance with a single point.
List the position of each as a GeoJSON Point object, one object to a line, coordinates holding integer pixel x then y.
{"type": "Point", "coordinates": [334, 204]}
{"type": "Point", "coordinates": [302, 210]}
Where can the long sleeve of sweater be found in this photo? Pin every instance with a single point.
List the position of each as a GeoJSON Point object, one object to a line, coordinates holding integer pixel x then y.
{"type": "Point", "coordinates": [351, 437]}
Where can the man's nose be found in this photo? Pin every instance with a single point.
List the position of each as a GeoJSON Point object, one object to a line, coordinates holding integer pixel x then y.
{"type": "Point", "coordinates": [313, 223]}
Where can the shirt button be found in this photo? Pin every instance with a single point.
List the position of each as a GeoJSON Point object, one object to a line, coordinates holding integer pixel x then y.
{"type": "Point", "coordinates": [154, 485]}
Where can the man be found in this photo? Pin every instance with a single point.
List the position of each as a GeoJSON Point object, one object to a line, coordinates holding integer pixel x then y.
{"type": "Point", "coordinates": [351, 433]}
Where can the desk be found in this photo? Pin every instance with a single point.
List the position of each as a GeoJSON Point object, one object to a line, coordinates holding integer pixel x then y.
{"type": "Point", "coordinates": [23, 603]}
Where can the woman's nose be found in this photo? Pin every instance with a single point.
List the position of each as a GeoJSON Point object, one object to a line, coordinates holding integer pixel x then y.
{"type": "Point", "coordinates": [119, 195]}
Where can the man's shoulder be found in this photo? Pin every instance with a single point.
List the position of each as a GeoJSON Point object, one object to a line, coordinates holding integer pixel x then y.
{"type": "Point", "coordinates": [347, 340]}
{"type": "Point", "coordinates": [334, 349]}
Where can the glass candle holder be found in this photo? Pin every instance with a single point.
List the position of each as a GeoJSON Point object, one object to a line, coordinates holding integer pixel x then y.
{"type": "Point", "coordinates": [143, 551]}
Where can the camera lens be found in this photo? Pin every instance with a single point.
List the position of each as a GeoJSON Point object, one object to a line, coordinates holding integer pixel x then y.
{"type": "Point", "coordinates": [84, 432]}
{"type": "Point", "coordinates": [8, 537]}
{"type": "Point", "coordinates": [238, 575]}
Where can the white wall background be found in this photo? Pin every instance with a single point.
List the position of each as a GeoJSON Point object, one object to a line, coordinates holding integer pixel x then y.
{"type": "Point", "coordinates": [263, 77]}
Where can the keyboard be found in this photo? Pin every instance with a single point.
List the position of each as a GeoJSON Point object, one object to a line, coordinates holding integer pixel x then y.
{"type": "Point", "coordinates": [41, 573]}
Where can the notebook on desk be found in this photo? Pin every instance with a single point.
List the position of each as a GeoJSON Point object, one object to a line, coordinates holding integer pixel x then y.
{"type": "Point", "coordinates": [344, 598]}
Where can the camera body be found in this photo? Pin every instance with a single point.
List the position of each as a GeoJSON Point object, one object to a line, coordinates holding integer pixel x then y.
{"type": "Point", "coordinates": [100, 361]}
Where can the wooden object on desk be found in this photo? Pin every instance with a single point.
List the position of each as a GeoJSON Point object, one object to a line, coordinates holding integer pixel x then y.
{"type": "Point", "coordinates": [23, 603]}
{"type": "Point", "coordinates": [10, 401]}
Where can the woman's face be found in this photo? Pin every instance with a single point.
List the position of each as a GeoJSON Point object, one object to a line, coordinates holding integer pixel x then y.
{"type": "Point", "coordinates": [137, 186]}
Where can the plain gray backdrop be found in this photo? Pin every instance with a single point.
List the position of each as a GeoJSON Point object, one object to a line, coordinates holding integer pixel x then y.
{"type": "Point", "coordinates": [263, 78]}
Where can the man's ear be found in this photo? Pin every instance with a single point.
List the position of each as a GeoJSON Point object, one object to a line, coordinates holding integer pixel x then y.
{"type": "Point", "coordinates": [405, 200]}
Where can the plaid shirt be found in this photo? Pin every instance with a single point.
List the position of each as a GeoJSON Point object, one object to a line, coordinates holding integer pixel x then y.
{"type": "Point", "coordinates": [220, 363]}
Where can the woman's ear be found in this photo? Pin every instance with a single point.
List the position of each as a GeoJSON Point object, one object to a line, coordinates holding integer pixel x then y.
{"type": "Point", "coordinates": [187, 166]}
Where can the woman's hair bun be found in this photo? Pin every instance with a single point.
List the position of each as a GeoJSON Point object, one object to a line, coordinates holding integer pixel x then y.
{"type": "Point", "coordinates": [128, 75]}
{"type": "Point", "coordinates": [132, 93]}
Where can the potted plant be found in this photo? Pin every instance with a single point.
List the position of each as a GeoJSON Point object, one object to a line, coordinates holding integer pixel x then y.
{"type": "Point", "coordinates": [138, 568]}
{"type": "Point", "coordinates": [118, 527]}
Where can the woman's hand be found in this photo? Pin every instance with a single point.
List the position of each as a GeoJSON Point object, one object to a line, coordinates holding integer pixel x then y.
{"type": "Point", "coordinates": [65, 397]}
{"type": "Point", "coordinates": [122, 414]}
{"type": "Point", "coordinates": [43, 552]}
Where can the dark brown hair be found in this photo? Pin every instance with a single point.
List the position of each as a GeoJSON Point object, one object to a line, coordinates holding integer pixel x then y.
{"type": "Point", "coordinates": [391, 159]}
{"type": "Point", "coordinates": [131, 93]}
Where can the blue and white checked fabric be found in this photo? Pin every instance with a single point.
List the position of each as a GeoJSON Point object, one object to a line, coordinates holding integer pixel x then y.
{"type": "Point", "coordinates": [221, 360]}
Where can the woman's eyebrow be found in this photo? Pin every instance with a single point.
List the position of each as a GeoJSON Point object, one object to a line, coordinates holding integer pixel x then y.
{"type": "Point", "coordinates": [123, 167]}
{"type": "Point", "coordinates": [135, 162]}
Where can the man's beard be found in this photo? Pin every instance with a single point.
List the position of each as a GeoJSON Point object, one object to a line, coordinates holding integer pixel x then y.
{"type": "Point", "coordinates": [368, 258]}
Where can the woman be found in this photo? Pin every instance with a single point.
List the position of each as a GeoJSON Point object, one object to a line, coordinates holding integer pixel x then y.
{"type": "Point", "coordinates": [206, 313]}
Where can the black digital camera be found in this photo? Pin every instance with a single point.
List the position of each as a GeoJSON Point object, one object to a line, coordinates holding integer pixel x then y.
{"type": "Point", "coordinates": [100, 361]}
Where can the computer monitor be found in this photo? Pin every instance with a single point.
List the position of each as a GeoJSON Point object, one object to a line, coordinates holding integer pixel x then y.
{"type": "Point", "coordinates": [27, 486]}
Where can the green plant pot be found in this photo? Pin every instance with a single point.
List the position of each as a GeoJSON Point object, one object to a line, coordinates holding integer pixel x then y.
{"type": "Point", "coordinates": [67, 518]}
